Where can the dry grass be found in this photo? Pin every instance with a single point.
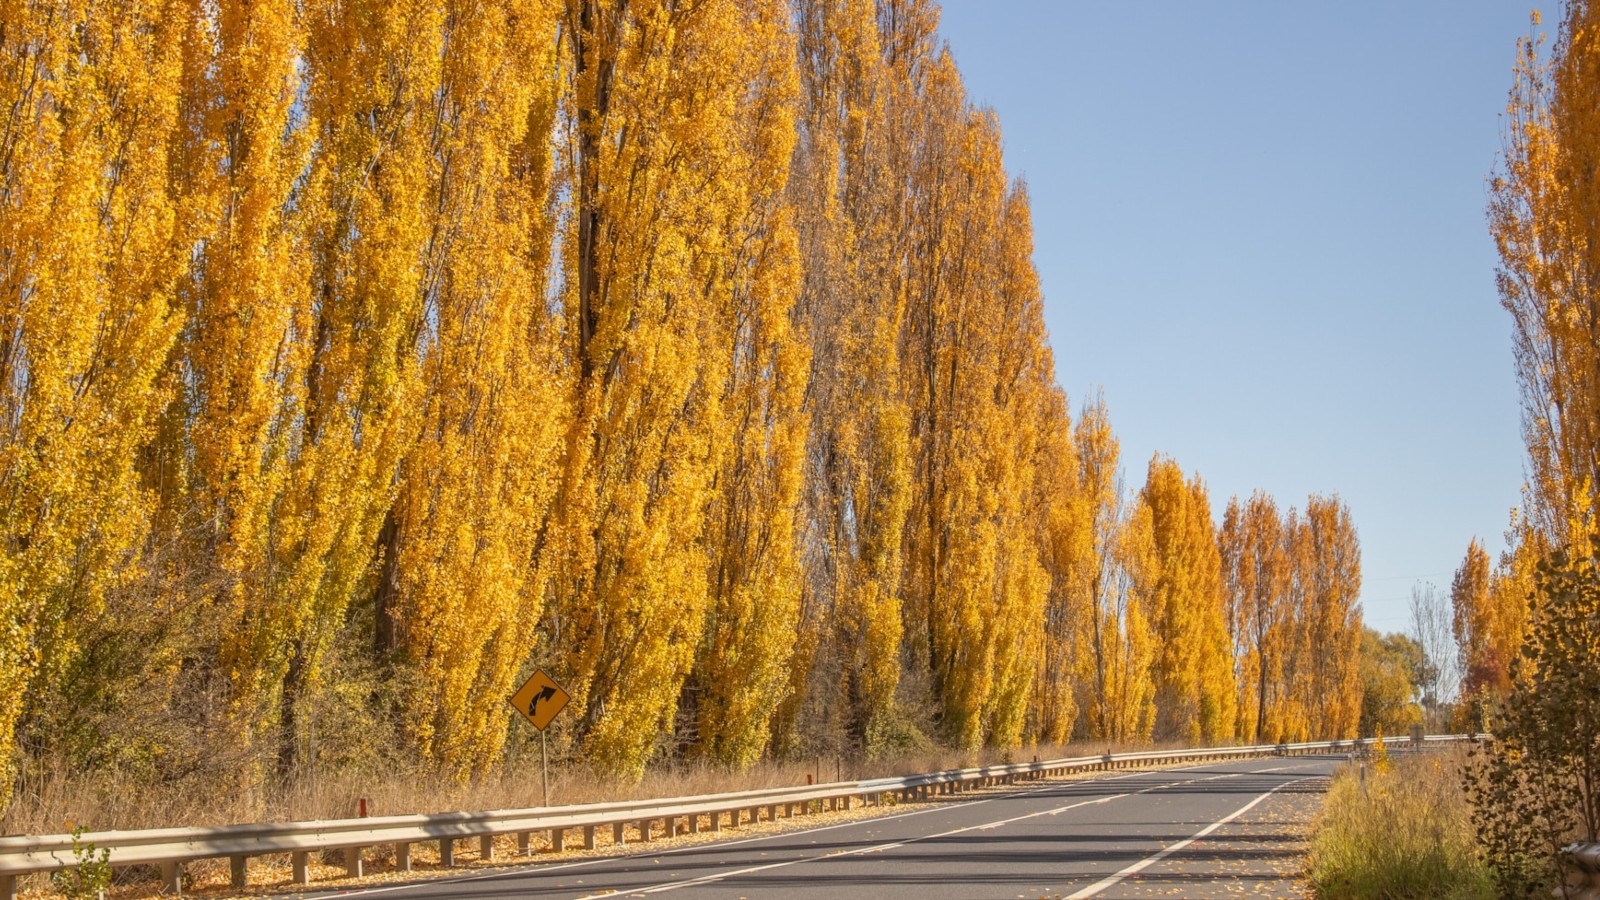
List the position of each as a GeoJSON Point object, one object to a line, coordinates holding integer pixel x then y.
{"type": "Point", "coordinates": [1406, 834]}
{"type": "Point", "coordinates": [52, 800]}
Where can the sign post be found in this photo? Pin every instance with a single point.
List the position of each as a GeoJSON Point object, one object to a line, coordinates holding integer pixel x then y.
{"type": "Point", "coordinates": [539, 700]}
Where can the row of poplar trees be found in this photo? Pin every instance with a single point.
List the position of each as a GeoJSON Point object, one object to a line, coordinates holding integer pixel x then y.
{"type": "Point", "coordinates": [357, 358]}
{"type": "Point", "coordinates": [1544, 216]}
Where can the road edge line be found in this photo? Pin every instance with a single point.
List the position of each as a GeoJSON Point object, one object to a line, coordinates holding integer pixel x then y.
{"type": "Point", "coordinates": [1111, 881]}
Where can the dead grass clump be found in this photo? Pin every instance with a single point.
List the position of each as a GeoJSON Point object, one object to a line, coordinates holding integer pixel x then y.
{"type": "Point", "coordinates": [1405, 833]}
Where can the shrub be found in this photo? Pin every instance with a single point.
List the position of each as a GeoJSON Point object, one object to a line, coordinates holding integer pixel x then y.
{"type": "Point", "coordinates": [1538, 785]}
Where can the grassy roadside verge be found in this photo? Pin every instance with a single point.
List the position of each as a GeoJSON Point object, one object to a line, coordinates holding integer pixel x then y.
{"type": "Point", "coordinates": [1406, 834]}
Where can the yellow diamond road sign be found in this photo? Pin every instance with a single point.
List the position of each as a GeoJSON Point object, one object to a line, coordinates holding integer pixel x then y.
{"type": "Point", "coordinates": [540, 699]}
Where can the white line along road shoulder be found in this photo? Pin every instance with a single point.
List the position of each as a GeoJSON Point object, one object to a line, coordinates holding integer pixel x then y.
{"type": "Point", "coordinates": [1154, 858]}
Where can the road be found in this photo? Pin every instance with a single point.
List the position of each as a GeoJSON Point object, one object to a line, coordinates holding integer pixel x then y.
{"type": "Point", "coordinates": [1219, 830]}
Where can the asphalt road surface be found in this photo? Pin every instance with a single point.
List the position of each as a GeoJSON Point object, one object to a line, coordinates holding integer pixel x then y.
{"type": "Point", "coordinates": [1224, 829]}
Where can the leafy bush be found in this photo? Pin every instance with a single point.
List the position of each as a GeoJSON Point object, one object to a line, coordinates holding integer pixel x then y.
{"type": "Point", "coordinates": [1537, 786]}
{"type": "Point", "coordinates": [90, 876]}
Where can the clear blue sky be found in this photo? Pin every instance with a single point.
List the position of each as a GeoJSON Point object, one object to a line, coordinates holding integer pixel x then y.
{"type": "Point", "coordinates": [1260, 228]}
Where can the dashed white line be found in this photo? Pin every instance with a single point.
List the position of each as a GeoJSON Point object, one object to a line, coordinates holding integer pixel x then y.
{"type": "Point", "coordinates": [665, 886]}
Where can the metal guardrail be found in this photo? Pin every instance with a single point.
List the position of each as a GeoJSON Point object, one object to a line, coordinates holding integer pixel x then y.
{"type": "Point", "coordinates": [1581, 863]}
{"type": "Point", "coordinates": [170, 848]}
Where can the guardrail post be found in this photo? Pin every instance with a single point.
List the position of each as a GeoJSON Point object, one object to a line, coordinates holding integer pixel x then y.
{"type": "Point", "coordinates": [772, 813]}
{"type": "Point", "coordinates": [644, 830]}
{"type": "Point", "coordinates": [670, 826]}
{"type": "Point", "coordinates": [299, 867]}
{"type": "Point", "coordinates": [588, 837]}
{"type": "Point", "coordinates": [172, 878]}
{"type": "Point", "coordinates": [8, 887]}
{"type": "Point", "coordinates": [352, 861]}
{"type": "Point", "coordinates": [694, 823]}
{"type": "Point", "coordinates": [618, 836]}
{"type": "Point", "coordinates": [402, 856]}
{"type": "Point", "coordinates": [558, 840]}
{"type": "Point", "coordinates": [486, 847]}
{"type": "Point", "coordinates": [238, 871]}
{"type": "Point", "coordinates": [447, 852]}
{"type": "Point", "coordinates": [524, 843]}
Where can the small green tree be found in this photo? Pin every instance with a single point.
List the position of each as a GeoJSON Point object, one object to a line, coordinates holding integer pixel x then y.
{"type": "Point", "coordinates": [1534, 789]}
{"type": "Point", "coordinates": [90, 876]}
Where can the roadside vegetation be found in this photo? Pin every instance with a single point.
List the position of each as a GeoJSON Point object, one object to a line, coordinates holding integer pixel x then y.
{"type": "Point", "coordinates": [1404, 831]}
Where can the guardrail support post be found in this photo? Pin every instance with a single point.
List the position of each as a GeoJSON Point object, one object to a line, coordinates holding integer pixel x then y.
{"type": "Point", "coordinates": [558, 840]}
{"type": "Point", "coordinates": [644, 830]}
{"type": "Point", "coordinates": [172, 878]}
{"type": "Point", "coordinates": [402, 856]}
{"type": "Point", "coordinates": [447, 852]}
{"type": "Point", "coordinates": [588, 837]}
{"type": "Point", "coordinates": [524, 843]}
{"type": "Point", "coordinates": [772, 813]}
{"type": "Point", "coordinates": [8, 887]}
{"type": "Point", "coordinates": [352, 862]}
{"type": "Point", "coordinates": [299, 867]}
{"type": "Point", "coordinates": [618, 835]}
{"type": "Point", "coordinates": [716, 821]}
{"type": "Point", "coordinates": [238, 873]}
{"type": "Point", "coordinates": [485, 847]}
{"type": "Point", "coordinates": [694, 823]}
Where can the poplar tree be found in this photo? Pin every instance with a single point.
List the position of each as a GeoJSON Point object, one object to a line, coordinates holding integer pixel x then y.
{"type": "Point", "coordinates": [857, 486]}
{"type": "Point", "coordinates": [753, 535]}
{"type": "Point", "coordinates": [244, 358]}
{"type": "Point", "coordinates": [462, 571]}
{"type": "Point", "coordinates": [91, 250]}
{"type": "Point", "coordinates": [1328, 564]}
{"type": "Point", "coordinates": [658, 92]}
{"type": "Point", "coordinates": [1181, 580]}
{"type": "Point", "coordinates": [1544, 200]}
{"type": "Point", "coordinates": [1254, 558]}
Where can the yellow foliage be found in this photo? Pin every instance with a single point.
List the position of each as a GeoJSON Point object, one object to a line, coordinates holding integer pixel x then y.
{"type": "Point", "coordinates": [693, 352]}
{"type": "Point", "coordinates": [92, 252]}
{"type": "Point", "coordinates": [1180, 581]}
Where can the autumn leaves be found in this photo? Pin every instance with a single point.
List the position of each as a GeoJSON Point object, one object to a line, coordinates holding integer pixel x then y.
{"type": "Point", "coordinates": [693, 352]}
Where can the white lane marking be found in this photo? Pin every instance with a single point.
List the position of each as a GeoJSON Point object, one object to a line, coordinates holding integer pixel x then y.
{"type": "Point", "coordinates": [1154, 858]}
{"type": "Point", "coordinates": [525, 869]}
{"type": "Point", "coordinates": [665, 886]}
{"type": "Point", "coordinates": [535, 869]}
